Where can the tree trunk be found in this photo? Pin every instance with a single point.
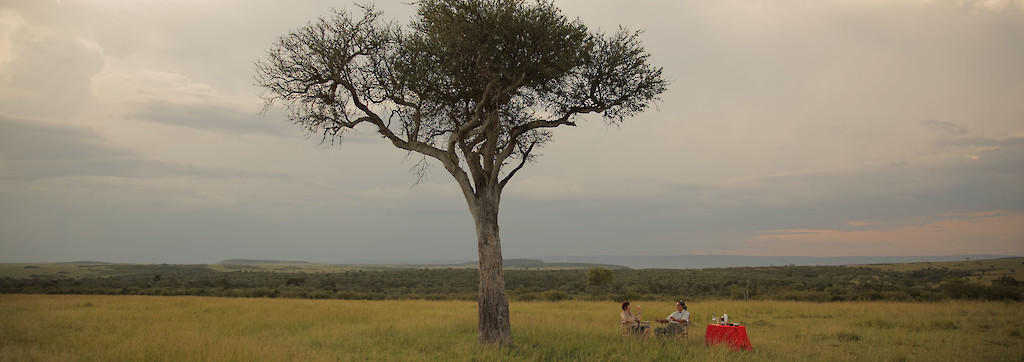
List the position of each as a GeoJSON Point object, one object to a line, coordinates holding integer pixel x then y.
{"type": "Point", "coordinates": [492, 323]}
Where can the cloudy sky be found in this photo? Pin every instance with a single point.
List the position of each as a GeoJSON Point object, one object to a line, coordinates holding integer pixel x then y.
{"type": "Point", "coordinates": [130, 131]}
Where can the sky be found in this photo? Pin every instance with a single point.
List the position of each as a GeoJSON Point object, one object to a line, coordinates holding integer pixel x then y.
{"type": "Point", "coordinates": [131, 131]}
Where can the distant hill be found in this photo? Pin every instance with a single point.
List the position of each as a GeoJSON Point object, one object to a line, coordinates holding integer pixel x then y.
{"type": "Point", "coordinates": [730, 261]}
{"type": "Point", "coordinates": [540, 264]}
{"type": "Point", "coordinates": [86, 262]}
{"type": "Point", "coordinates": [641, 262]}
{"type": "Point", "coordinates": [508, 263]}
{"type": "Point", "coordinates": [259, 262]}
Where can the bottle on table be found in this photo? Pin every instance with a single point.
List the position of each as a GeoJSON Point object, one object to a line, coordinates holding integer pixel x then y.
{"type": "Point", "coordinates": [714, 318]}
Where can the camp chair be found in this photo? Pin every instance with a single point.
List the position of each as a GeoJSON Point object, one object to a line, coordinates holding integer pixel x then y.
{"type": "Point", "coordinates": [629, 330]}
{"type": "Point", "coordinates": [682, 330]}
{"type": "Point", "coordinates": [674, 330]}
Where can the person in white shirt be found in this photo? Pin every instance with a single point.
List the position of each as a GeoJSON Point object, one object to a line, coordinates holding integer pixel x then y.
{"type": "Point", "coordinates": [678, 321]}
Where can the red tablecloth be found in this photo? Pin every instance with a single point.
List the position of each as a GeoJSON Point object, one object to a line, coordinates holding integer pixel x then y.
{"type": "Point", "coordinates": [735, 336]}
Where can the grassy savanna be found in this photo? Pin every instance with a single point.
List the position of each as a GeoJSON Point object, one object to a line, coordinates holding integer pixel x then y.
{"type": "Point", "coordinates": [102, 328]}
{"type": "Point", "coordinates": [66, 270]}
{"type": "Point", "coordinates": [78, 269]}
{"type": "Point", "coordinates": [985, 270]}
{"type": "Point", "coordinates": [94, 269]}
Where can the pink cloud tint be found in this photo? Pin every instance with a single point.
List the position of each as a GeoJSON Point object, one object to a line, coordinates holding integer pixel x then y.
{"type": "Point", "coordinates": [943, 235]}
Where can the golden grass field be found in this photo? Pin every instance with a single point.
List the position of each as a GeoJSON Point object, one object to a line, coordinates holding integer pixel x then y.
{"type": "Point", "coordinates": [139, 328]}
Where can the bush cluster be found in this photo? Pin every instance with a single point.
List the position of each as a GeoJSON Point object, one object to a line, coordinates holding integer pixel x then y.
{"type": "Point", "coordinates": [801, 283]}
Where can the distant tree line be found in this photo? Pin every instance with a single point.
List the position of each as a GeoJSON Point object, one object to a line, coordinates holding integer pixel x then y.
{"type": "Point", "coordinates": [802, 283]}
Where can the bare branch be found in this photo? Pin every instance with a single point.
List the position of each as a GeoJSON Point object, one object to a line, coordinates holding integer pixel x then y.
{"type": "Point", "coordinates": [522, 162]}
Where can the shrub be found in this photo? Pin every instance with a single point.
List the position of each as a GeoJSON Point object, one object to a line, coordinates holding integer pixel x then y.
{"type": "Point", "coordinates": [526, 297]}
{"type": "Point", "coordinates": [1008, 281]}
{"type": "Point", "coordinates": [847, 337]}
{"type": "Point", "coordinates": [262, 293]}
{"type": "Point", "coordinates": [555, 295]}
{"type": "Point", "coordinates": [600, 277]}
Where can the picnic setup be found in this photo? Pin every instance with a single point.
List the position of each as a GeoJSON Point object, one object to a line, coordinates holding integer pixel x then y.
{"type": "Point", "coordinates": [733, 334]}
{"type": "Point", "coordinates": [677, 325]}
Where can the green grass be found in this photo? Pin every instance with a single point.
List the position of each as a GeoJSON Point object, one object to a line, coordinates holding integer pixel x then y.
{"type": "Point", "coordinates": [103, 328]}
{"type": "Point", "coordinates": [50, 270]}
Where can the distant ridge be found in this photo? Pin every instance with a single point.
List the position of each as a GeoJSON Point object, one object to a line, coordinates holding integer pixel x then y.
{"type": "Point", "coordinates": [84, 262]}
{"type": "Point", "coordinates": [257, 262]}
{"type": "Point", "coordinates": [537, 263]}
{"type": "Point", "coordinates": [508, 264]}
{"type": "Point", "coordinates": [732, 261]}
{"type": "Point", "coordinates": [642, 262]}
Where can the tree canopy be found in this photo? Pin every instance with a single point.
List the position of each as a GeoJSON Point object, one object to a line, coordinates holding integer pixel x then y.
{"type": "Point", "coordinates": [475, 84]}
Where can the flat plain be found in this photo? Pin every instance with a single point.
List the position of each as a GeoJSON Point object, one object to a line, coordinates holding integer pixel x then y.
{"type": "Point", "coordinates": [104, 328]}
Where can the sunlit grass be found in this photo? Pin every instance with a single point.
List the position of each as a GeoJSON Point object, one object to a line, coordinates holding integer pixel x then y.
{"type": "Point", "coordinates": [104, 328]}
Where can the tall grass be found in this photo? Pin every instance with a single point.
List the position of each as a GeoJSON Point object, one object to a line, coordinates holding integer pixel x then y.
{"type": "Point", "coordinates": [104, 328]}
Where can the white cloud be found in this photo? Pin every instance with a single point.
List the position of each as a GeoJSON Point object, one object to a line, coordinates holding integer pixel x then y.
{"type": "Point", "coordinates": [48, 74]}
{"type": "Point", "coordinates": [10, 21]}
{"type": "Point", "coordinates": [177, 100]}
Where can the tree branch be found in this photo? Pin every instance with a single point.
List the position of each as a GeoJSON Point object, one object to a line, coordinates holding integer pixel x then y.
{"type": "Point", "coordinates": [522, 162]}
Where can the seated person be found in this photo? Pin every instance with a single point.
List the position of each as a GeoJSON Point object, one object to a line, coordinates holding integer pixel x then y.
{"type": "Point", "coordinates": [678, 321]}
{"type": "Point", "coordinates": [632, 323]}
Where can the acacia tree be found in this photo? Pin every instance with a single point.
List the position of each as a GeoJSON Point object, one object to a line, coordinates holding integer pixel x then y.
{"type": "Point", "coordinates": [476, 85]}
{"type": "Point", "coordinates": [600, 276]}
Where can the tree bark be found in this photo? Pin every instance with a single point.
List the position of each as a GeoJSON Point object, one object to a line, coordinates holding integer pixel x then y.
{"type": "Point", "coordinates": [493, 315]}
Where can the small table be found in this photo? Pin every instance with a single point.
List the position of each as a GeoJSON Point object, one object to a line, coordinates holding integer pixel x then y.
{"type": "Point", "coordinates": [735, 336]}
